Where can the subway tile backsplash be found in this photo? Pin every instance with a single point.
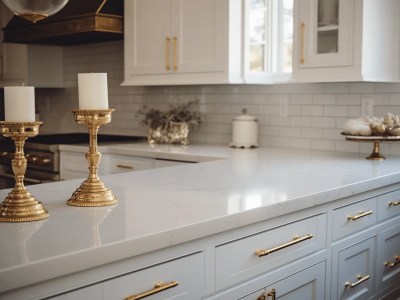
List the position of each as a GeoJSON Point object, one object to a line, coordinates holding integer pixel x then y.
{"type": "Point", "coordinates": [314, 118]}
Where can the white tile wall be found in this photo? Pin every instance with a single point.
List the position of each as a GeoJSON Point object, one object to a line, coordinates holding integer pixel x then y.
{"type": "Point", "coordinates": [316, 112]}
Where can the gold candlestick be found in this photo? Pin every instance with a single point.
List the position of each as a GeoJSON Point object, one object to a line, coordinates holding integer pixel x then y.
{"type": "Point", "coordinates": [93, 192]}
{"type": "Point", "coordinates": [20, 205]}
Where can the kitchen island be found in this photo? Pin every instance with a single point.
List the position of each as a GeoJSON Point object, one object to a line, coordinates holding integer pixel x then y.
{"type": "Point", "coordinates": [198, 221]}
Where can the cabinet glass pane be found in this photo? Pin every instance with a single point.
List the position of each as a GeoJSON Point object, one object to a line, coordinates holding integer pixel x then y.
{"type": "Point", "coordinates": [287, 36]}
{"type": "Point", "coordinates": [258, 3]}
{"type": "Point", "coordinates": [328, 21]}
{"type": "Point", "coordinates": [258, 24]}
{"type": "Point", "coordinates": [257, 58]}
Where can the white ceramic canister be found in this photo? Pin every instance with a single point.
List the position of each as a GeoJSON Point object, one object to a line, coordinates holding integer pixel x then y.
{"type": "Point", "coordinates": [244, 131]}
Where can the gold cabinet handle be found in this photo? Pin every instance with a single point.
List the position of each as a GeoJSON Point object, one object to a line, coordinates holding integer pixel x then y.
{"type": "Point", "coordinates": [296, 240]}
{"type": "Point", "coordinates": [175, 44]}
{"type": "Point", "coordinates": [360, 278]}
{"type": "Point", "coordinates": [167, 55]}
{"type": "Point", "coordinates": [302, 27]}
{"type": "Point", "coordinates": [392, 264]}
{"type": "Point", "coordinates": [264, 296]}
{"type": "Point", "coordinates": [360, 215]}
{"type": "Point", "coordinates": [125, 167]}
{"type": "Point", "coordinates": [158, 287]}
{"type": "Point", "coordinates": [394, 203]}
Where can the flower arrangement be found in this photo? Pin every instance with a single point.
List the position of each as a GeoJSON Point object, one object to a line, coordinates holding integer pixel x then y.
{"type": "Point", "coordinates": [172, 125]}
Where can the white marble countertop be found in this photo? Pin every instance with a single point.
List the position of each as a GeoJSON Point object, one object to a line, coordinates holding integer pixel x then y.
{"type": "Point", "coordinates": [163, 207]}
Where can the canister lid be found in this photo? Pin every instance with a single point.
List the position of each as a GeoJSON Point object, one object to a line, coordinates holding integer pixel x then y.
{"type": "Point", "coordinates": [244, 117]}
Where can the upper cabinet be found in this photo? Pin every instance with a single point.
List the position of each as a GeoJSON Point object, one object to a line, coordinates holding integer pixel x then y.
{"type": "Point", "coordinates": [39, 66]}
{"type": "Point", "coordinates": [170, 42]}
{"type": "Point", "coordinates": [346, 40]}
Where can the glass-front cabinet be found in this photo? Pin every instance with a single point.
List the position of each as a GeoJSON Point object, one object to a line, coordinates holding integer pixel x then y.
{"type": "Point", "coordinates": [345, 40]}
{"type": "Point", "coordinates": [325, 28]}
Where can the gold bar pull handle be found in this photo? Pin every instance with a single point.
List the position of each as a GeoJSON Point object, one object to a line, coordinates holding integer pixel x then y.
{"type": "Point", "coordinates": [296, 240]}
{"type": "Point", "coordinates": [265, 296]}
{"type": "Point", "coordinates": [392, 264]}
{"type": "Point", "coordinates": [302, 28]}
{"type": "Point", "coordinates": [125, 167]}
{"type": "Point", "coordinates": [167, 54]}
{"type": "Point", "coordinates": [394, 203]}
{"type": "Point", "coordinates": [360, 278]}
{"type": "Point", "coordinates": [360, 215]}
{"type": "Point", "coordinates": [158, 287]}
{"type": "Point", "coordinates": [175, 49]}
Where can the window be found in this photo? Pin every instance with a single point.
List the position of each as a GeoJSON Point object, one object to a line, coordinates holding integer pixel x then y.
{"type": "Point", "coordinates": [269, 39]}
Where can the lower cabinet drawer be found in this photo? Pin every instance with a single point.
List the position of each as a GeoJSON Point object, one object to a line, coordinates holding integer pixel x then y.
{"type": "Point", "coordinates": [389, 205]}
{"type": "Point", "coordinates": [239, 260]}
{"type": "Point", "coordinates": [181, 278]}
{"type": "Point", "coordinates": [353, 270]}
{"type": "Point", "coordinates": [123, 163]}
{"type": "Point", "coordinates": [354, 217]}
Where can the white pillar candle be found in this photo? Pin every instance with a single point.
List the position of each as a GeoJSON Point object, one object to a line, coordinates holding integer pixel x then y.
{"type": "Point", "coordinates": [19, 104]}
{"type": "Point", "coordinates": [93, 93]}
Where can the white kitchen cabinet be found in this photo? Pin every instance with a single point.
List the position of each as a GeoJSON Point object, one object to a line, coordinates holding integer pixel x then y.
{"type": "Point", "coordinates": [388, 259]}
{"type": "Point", "coordinates": [359, 264]}
{"type": "Point", "coordinates": [307, 284]}
{"type": "Point", "coordinates": [171, 42]}
{"type": "Point", "coordinates": [126, 163]}
{"type": "Point", "coordinates": [346, 40]}
{"type": "Point", "coordinates": [36, 65]}
{"type": "Point", "coordinates": [256, 254]}
{"type": "Point", "coordinates": [73, 164]}
{"type": "Point", "coordinates": [182, 278]}
{"type": "Point", "coordinates": [354, 217]}
{"type": "Point", "coordinates": [353, 273]}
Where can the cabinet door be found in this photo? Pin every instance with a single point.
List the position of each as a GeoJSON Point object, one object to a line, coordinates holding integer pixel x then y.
{"type": "Point", "coordinates": [353, 270]}
{"type": "Point", "coordinates": [198, 38]}
{"type": "Point", "coordinates": [169, 42]}
{"type": "Point", "coordinates": [325, 33]}
{"type": "Point", "coordinates": [308, 284]}
{"type": "Point", "coordinates": [147, 36]}
{"type": "Point", "coordinates": [388, 263]}
{"type": "Point", "coordinates": [125, 163]}
{"type": "Point", "coordinates": [13, 56]}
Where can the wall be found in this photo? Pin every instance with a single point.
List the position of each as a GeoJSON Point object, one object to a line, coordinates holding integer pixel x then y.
{"type": "Point", "coordinates": [316, 112]}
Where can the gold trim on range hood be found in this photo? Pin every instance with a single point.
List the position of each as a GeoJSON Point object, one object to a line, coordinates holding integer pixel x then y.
{"type": "Point", "coordinates": [72, 25]}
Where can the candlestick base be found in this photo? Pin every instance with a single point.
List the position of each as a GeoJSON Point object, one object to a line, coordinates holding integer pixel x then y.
{"type": "Point", "coordinates": [20, 205]}
{"type": "Point", "coordinates": [92, 192]}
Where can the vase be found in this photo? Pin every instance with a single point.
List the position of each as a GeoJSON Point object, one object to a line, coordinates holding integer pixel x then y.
{"type": "Point", "coordinates": [173, 133]}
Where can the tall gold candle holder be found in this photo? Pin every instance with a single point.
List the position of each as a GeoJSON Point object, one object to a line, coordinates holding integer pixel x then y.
{"type": "Point", "coordinates": [20, 205]}
{"type": "Point", "coordinates": [93, 192]}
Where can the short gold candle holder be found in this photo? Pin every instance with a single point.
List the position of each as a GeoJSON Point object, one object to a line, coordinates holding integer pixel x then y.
{"type": "Point", "coordinates": [20, 205]}
{"type": "Point", "coordinates": [92, 192]}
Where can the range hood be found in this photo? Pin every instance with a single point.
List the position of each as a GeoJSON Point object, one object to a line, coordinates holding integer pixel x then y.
{"type": "Point", "coordinates": [79, 22]}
